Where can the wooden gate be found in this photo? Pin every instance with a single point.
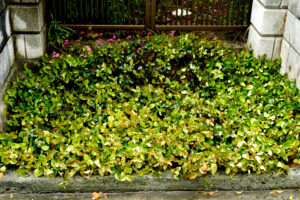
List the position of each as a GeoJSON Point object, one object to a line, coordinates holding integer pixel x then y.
{"type": "Point", "coordinates": [151, 14]}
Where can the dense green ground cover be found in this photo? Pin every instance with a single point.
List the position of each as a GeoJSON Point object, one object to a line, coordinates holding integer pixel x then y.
{"type": "Point", "coordinates": [184, 104]}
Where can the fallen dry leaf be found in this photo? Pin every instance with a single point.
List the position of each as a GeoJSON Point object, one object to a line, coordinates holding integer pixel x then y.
{"type": "Point", "coordinates": [238, 192]}
{"type": "Point", "coordinates": [276, 191]}
{"type": "Point", "coordinates": [97, 195]}
{"type": "Point", "coordinates": [212, 193]}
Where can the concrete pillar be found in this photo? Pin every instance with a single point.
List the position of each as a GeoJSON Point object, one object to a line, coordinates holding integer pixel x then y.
{"type": "Point", "coordinates": [290, 50]}
{"type": "Point", "coordinates": [7, 56]}
{"type": "Point", "coordinates": [267, 27]}
{"type": "Point", "coordinates": [29, 29]}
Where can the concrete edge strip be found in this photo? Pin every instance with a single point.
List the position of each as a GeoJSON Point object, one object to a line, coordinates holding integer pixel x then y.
{"type": "Point", "coordinates": [12, 183]}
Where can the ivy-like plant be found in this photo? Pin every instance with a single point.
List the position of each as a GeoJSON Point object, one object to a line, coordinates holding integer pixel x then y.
{"type": "Point", "coordinates": [181, 104]}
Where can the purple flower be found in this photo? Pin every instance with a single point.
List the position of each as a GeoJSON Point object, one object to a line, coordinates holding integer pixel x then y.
{"type": "Point", "coordinates": [149, 33]}
{"type": "Point", "coordinates": [66, 42]}
{"type": "Point", "coordinates": [142, 43]}
{"type": "Point", "coordinates": [55, 55]}
{"type": "Point", "coordinates": [128, 37]}
{"type": "Point", "coordinates": [111, 40]}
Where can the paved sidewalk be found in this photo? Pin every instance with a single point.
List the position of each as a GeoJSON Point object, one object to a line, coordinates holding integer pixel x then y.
{"type": "Point", "coordinates": [213, 195]}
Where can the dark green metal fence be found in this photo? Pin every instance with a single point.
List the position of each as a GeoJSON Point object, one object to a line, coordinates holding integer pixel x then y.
{"type": "Point", "coordinates": [151, 14]}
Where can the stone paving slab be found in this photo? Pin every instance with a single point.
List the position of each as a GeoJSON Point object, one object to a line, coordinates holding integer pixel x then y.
{"type": "Point", "coordinates": [12, 183]}
{"type": "Point", "coordinates": [176, 195]}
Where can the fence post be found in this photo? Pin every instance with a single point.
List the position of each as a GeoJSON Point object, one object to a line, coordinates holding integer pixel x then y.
{"type": "Point", "coordinates": [147, 16]}
{"type": "Point", "coordinates": [153, 14]}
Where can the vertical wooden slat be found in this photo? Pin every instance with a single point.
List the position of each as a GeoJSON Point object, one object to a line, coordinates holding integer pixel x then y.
{"type": "Point", "coordinates": [153, 14]}
{"type": "Point", "coordinates": [242, 10]}
{"type": "Point", "coordinates": [147, 14]}
{"type": "Point", "coordinates": [86, 11]}
{"type": "Point", "coordinates": [128, 17]}
{"type": "Point", "coordinates": [181, 13]}
{"type": "Point", "coordinates": [81, 10]}
{"type": "Point", "coordinates": [161, 20]}
{"type": "Point", "coordinates": [92, 11]}
{"type": "Point", "coordinates": [102, 12]}
{"type": "Point", "coordinates": [54, 10]}
{"type": "Point", "coordinates": [223, 10]}
{"type": "Point", "coordinates": [60, 6]}
{"type": "Point", "coordinates": [193, 12]}
{"type": "Point", "coordinates": [249, 11]}
{"type": "Point", "coordinates": [97, 10]}
{"type": "Point", "coordinates": [65, 15]}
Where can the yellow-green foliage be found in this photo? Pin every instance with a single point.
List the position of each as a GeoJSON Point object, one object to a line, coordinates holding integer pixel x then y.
{"type": "Point", "coordinates": [181, 104]}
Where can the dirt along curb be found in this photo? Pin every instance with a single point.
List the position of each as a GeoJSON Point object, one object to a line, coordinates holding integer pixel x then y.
{"type": "Point", "coordinates": [13, 183]}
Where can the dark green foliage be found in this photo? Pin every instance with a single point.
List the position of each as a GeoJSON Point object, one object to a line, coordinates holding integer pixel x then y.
{"type": "Point", "coordinates": [184, 104]}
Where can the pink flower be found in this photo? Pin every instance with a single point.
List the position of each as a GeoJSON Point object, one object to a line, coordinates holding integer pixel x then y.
{"type": "Point", "coordinates": [114, 36]}
{"type": "Point", "coordinates": [55, 55]}
{"type": "Point", "coordinates": [100, 34]}
{"type": "Point", "coordinates": [111, 40]}
{"type": "Point", "coordinates": [89, 48]}
{"type": "Point", "coordinates": [90, 34]}
{"type": "Point", "coordinates": [172, 34]}
{"type": "Point", "coordinates": [168, 19]}
{"type": "Point", "coordinates": [149, 33]}
{"type": "Point", "coordinates": [128, 37]}
{"type": "Point", "coordinates": [66, 42]}
{"type": "Point", "coordinates": [99, 41]}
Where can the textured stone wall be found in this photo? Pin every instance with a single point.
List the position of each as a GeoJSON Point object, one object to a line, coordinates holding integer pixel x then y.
{"type": "Point", "coordinates": [7, 56]}
{"type": "Point", "coordinates": [290, 49]}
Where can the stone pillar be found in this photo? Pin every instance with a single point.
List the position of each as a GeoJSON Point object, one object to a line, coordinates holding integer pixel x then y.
{"type": "Point", "coordinates": [29, 29]}
{"type": "Point", "coordinates": [290, 50]}
{"type": "Point", "coordinates": [267, 26]}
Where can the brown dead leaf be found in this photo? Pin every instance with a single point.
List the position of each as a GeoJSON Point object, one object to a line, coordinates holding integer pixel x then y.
{"type": "Point", "coordinates": [276, 191]}
{"type": "Point", "coordinates": [293, 164]}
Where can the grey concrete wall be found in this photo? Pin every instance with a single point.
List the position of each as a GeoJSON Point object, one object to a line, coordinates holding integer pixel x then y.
{"type": "Point", "coordinates": [290, 50]}
{"type": "Point", "coordinates": [267, 27]}
{"type": "Point", "coordinates": [29, 28]}
{"type": "Point", "coordinates": [7, 55]}
{"type": "Point", "coordinates": [275, 32]}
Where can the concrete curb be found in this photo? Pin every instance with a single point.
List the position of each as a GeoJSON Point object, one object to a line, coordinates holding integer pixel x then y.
{"type": "Point", "coordinates": [13, 183]}
{"type": "Point", "coordinates": [174, 195]}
